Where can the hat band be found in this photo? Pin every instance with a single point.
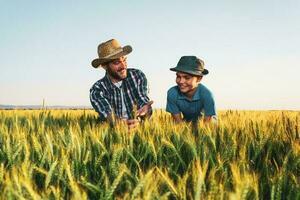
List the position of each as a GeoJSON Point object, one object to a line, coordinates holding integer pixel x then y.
{"type": "Point", "coordinates": [115, 53]}
{"type": "Point", "coordinates": [192, 68]}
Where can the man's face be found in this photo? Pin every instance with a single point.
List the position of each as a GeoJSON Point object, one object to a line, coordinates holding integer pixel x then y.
{"type": "Point", "coordinates": [117, 69]}
{"type": "Point", "coordinates": [186, 82]}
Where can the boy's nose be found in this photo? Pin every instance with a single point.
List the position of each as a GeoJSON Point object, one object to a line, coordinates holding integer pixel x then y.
{"type": "Point", "coordinates": [181, 80]}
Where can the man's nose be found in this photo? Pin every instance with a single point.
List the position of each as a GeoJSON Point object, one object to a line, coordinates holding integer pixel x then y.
{"type": "Point", "coordinates": [123, 63]}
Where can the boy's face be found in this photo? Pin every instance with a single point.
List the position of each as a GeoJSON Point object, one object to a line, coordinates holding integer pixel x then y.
{"type": "Point", "coordinates": [186, 82]}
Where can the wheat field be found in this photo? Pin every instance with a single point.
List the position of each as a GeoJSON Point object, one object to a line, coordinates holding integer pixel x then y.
{"type": "Point", "coordinates": [66, 154]}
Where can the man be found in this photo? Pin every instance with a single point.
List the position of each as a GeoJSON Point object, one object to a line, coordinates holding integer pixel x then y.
{"type": "Point", "coordinates": [121, 90]}
{"type": "Point", "coordinates": [189, 97]}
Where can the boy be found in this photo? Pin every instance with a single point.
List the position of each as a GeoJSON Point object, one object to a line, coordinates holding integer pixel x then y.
{"type": "Point", "coordinates": [189, 97]}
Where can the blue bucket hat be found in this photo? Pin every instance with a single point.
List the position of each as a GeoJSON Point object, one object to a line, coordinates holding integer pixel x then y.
{"type": "Point", "coordinates": [190, 65]}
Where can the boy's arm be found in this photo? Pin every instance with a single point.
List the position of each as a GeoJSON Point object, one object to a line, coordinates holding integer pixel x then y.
{"type": "Point", "coordinates": [209, 109]}
{"type": "Point", "coordinates": [172, 107]}
{"type": "Point", "coordinates": [177, 118]}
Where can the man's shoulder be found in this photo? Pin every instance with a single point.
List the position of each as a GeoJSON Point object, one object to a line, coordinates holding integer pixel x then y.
{"type": "Point", "coordinates": [134, 71]}
{"type": "Point", "coordinates": [100, 84]}
{"type": "Point", "coordinates": [135, 74]}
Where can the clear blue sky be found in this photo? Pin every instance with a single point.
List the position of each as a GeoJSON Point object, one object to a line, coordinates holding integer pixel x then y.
{"type": "Point", "coordinates": [251, 48]}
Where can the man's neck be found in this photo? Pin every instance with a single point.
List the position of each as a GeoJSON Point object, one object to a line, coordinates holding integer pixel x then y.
{"type": "Point", "coordinates": [114, 80]}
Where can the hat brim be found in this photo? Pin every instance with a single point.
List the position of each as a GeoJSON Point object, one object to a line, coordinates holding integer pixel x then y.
{"type": "Point", "coordinates": [99, 61]}
{"type": "Point", "coordinates": [196, 73]}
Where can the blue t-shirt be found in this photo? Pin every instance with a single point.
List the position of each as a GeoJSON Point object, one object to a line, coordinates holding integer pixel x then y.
{"type": "Point", "coordinates": [202, 101]}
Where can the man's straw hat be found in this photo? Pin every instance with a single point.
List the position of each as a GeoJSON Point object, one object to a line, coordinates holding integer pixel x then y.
{"type": "Point", "coordinates": [110, 50]}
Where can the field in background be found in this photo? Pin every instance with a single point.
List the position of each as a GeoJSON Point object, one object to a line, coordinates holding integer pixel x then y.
{"type": "Point", "coordinates": [60, 154]}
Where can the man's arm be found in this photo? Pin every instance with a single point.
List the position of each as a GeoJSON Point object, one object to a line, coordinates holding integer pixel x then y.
{"type": "Point", "coordinates": [100, 103]}
{"type": "Point", "coordinates": [113, 120]}
{"type": "Point", "coordinates": [142, 90]}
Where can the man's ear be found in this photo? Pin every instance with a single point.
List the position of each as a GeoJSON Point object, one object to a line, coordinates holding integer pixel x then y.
{"type": "Point", "coordinates": [104, 66]}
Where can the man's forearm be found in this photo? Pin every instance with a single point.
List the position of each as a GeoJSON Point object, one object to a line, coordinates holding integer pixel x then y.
{"type": "Point", "coordinates": [111, 119]}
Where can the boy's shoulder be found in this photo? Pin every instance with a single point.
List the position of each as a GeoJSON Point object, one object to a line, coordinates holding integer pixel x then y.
{"type": "Point", "coordinates": [173, 91]}
{"type": "Point", "coordinates": [203, 88]}
{"type": "Point", "coordinates": [204, 91]}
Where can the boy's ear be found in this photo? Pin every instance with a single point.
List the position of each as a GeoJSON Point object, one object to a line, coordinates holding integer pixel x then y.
{"type": "Point", "coordinates": [199, 78]}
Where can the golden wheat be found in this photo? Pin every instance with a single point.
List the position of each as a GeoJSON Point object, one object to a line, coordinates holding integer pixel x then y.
{"type": "Point", "coordinates": [67, 154]}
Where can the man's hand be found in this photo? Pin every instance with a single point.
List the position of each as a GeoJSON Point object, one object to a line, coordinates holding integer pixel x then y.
{"type": "Point", "coordinates": [132, 123]}
{"type": "Point", "coordinates": [145, 109]}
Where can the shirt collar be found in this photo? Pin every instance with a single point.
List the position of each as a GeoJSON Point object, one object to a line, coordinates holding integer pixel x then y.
{"type": "Point", "coordinates": [118, 84]}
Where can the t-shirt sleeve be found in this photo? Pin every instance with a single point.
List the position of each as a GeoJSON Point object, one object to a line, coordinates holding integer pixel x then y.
{"type": "Point", "coordinates": [209, 105]}
{"type": "Point", "coordinates": [172, 107]}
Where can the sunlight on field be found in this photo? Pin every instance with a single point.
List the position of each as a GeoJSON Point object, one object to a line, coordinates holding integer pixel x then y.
{"type": "Point", "coordinates": [66, 154]}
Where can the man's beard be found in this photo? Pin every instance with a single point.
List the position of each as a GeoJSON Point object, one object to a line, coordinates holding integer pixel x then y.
{"type": "Point", "coordinates": [116, 75]}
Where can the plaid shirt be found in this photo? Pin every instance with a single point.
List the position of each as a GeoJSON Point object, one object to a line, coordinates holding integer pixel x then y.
{"type": "Point", "coordinates": [106, 98]}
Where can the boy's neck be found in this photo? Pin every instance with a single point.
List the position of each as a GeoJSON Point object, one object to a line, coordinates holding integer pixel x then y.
{"type": "Point", "coordinates": [191, 93]}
